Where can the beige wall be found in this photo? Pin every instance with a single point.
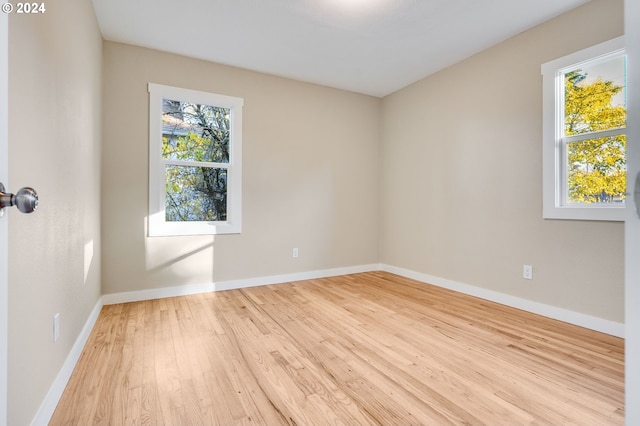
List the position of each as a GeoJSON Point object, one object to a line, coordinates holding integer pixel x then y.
{"type": "Point", "coordinates": [54, 146]}
{"type": "Point", "coordinates": [310, 176]}
{"type": "Point", "coordinates": [462, 186]}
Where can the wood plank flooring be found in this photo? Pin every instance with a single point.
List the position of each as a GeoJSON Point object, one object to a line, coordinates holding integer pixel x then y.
{"type": "Point", "coordinates": [363, 349]}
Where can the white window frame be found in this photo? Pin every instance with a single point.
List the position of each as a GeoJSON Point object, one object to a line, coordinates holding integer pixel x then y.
{"type": "Point", "coordinates": [157, 225]}
{"type": "Point", "coordinates": [554, 170]}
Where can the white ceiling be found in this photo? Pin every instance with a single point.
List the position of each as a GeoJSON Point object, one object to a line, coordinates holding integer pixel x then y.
{"type": "Point", "coordinates": [373, 47]}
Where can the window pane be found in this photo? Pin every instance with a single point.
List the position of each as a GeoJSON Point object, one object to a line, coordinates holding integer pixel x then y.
{"type": "Point", "coordinates": [595, 96]}
{"type": "Point", "coordinates": [194, 132]}
{"type": "Point", "coordinates": [195, 194]}
{"type": "Point", "coordinates": [596, 170]}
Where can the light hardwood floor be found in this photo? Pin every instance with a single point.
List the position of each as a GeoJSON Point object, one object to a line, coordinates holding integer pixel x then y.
{"type": "Point", "coordinates": [370, 348]}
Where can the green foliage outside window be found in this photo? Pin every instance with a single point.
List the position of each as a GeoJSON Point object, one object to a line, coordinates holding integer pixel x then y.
{"type": "Point", "coordinates": [194, 134]}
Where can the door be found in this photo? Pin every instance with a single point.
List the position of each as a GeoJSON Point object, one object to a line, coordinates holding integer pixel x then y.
{"type": "Point", "coordinates": [632, 224]}
{"type": "Point", "coordinates": [4, 252]}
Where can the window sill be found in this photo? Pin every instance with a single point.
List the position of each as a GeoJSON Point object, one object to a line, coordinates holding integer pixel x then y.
{"type": "Point", "coordinates": [611, 214]}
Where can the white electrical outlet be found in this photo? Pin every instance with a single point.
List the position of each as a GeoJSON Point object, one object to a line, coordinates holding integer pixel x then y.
{"type": "Point", "coordinates": [527, 272]}
{"type": "Point", "coordinates": [56, 327]}
{"type": "Point", "coordinates": [295, 252]}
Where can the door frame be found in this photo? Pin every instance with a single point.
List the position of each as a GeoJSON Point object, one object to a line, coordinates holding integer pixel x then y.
{"type": "Point", "coordinates": [632, 223]}
{"type": "Point", "coordinates": [4, 228]}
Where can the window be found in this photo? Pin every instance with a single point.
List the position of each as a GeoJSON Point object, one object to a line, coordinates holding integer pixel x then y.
{"type": "Point", "coordinates": [584, 120]}
{"type": "Point", "coordinates": [195, 150]}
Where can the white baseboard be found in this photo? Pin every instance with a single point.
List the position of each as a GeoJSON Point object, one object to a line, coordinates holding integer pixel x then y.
{"type": "Point", "coordinates": [48, 406]}
{"type": "Point", "coordinates": [571, 317]}
{"type": "Point", "coordinates": [158, 293]}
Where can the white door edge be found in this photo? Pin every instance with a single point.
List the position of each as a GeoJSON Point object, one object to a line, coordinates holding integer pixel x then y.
{"type": "Point", "coordinates": [4, 251]}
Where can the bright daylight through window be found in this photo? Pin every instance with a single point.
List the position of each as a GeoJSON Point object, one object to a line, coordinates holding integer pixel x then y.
{"type": "Point", "coordinates": [584, 120]}
{"type": "Point", "coordinates": [195, 153]}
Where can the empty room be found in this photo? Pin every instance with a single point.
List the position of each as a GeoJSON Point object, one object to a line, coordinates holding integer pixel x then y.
{"type": "Point", "coordinates": [319, 212]}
